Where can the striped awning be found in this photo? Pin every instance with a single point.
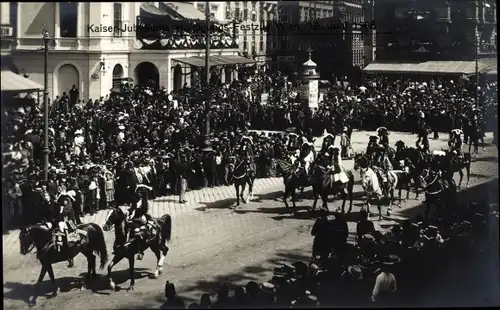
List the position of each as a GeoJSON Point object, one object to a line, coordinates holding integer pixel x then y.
{"type": "Point", "coordinates": [185, 10]}
{"type": "Point", "coordinates": [215, 61]}
{"type": "Point", "coordinates": [427, 67]}
{"type": "Point", "coordinates": [269, 6]}
{"type": "Point", "coordinates": [12, 82]}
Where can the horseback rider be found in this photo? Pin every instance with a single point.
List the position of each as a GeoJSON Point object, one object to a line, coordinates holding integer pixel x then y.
{"type": "Point", "coordinates": [383, 135]}
{"type": "Point", "coordinates": [306, 157]}
{"type": "Point", "coordinates": [293, 142]}
{"type": "Point", "coordinates": [139, 217]}
{"type": "Point", "coordinates": [384, 164]}
{"type": "Point", "coordinates": [372, 146]}
{"type": "Point", "coordinates": [422, 143]}
{"type": "Point", "coordinates": [246, 151]}
{"type": "Point", "coordinates": [327, 142]}
{"type": "Point", "coordinates": [335, 165]}
{"type": "Point", "coordinates": [455, 143]}
{"type": "Point", "coordinates": [65, 220]}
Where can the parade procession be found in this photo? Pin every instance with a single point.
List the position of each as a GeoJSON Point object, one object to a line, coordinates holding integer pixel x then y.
{"type": "Point", "coordinates": [205, 169]}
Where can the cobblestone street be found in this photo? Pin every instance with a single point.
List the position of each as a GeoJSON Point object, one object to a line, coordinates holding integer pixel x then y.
{"type": "Point", "coordinates": [212, 242]}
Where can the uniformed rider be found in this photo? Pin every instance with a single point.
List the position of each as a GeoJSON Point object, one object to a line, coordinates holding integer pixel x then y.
{"type": "Point", "coordinates": [384, 164]}
{"type": "Point", "coordinates": [372, 147]}
{"type": "Point", "coordinates": [335, 166]}
{"type": "Point", "coordinates": [327, 142]}
{"type": "Point", "coordinates": [293, 142]}
{"type": "Point", "coordinates": [455, 143]}
{"type": "Point", "coordinates": [306, 157]}
{"type": "Point", "coordinates": [139, 217]}
{"type": "Point", "coordinates": [65, 217]}
{"type": "Point", "coordinates": [383, 135]}
{"type": "Point", "coordinates": [422, 143]}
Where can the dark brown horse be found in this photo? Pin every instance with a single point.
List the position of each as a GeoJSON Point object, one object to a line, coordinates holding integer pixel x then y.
{"type": "Point", "coordinates": [242, 173]}
{"type": "Point", "coordinates": [293, 178]}
{"type": "Point", "coordinates": [41, 238]}
{"type": "Point", "coordinates": [439, 192]}
{"type": "Point", "coordinates": [323, 184]}
{"type": "Point", "coordinates": [127, 247]}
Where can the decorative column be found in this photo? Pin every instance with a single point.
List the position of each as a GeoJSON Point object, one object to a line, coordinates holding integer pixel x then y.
{"type": "Point", "coordinates": [57, 22]}
{"type": "Point", "coordinates": [79, 24]}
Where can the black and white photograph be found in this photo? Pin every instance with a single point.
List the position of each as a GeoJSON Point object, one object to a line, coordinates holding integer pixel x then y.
{"type": "Point", "coordinates": [249, 154]}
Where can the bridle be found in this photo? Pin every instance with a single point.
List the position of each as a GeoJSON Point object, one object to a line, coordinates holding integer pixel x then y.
{"type": "Point", "coordinates": [32, 244]}
{"type": "Point", "coordinates": [431, 183]}
{"type": "Point", "coordinates": [236, 168]}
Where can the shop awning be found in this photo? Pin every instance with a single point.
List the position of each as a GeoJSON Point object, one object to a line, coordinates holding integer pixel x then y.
{"type": "Point", "coordinates": [427, 67]}
{"type": "Point", "coordinates": [185, 10]}
{"type": "Point", "coordinates": [215, 61]}
{"type": "Point", "coordinates": [153, 10]}
{"type": "Point", "coordinates": [12, 82]}
{"type": "Point", "coordinates": [7, 64]}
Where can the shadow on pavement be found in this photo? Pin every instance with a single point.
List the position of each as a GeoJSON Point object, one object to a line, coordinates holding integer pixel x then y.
{"type": "Point", "coordinates": [220, 204]}
{"type": "Point", "coordinates": [241, 277]}
{"type": "Point", "coordinates": [23, 291]}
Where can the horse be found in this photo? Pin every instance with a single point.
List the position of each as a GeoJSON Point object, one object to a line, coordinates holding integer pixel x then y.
{"type": "Point", "coordinates": [123, 248]}
{"type": "Point", "coordinates": [415, 160]}
{"type": "Point", "coordinates": [455, 163]}
{"type": "Point", "coordinates": [324, 185]}
{"type": "Point", "coordinates": [439, 192]}
{"type": "Point", "coordinates": [293, 179]}
{"type": "Point", "coordinates": [369, 182]}
{"type": "Point", "coordinates": [40, 237]}
{"type": "Point", "coordinates": [242, 173]}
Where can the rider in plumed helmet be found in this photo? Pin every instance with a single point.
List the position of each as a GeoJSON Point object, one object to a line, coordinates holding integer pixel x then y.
{"type": "Point", "coordinates": [423, 142]}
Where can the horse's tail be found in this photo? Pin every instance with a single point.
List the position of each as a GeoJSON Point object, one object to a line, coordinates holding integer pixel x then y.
{"type": "Point", "coordinates": [101, 249]}
{"type": "Point", "coordinates": [167, 229]}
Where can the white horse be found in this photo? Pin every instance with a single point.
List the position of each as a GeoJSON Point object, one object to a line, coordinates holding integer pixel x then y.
{"type": "Point", "coordinates": [371, 187]}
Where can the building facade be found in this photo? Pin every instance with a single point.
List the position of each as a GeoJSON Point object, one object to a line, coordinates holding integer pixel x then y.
{"type": "Point", "coordinates": [6, 28]}
{"type": "Point", "coordinates": [435, 30]}
{"type": "Point", "coordinates": [249, 20]}
{"type": "Point", "coordinates": [93, 44]}
{"type": "Point", "coordinates": [329, 28]}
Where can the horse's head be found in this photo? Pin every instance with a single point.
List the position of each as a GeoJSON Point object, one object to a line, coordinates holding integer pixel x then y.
{"type": "Point", "coordinates": [26, 240]}
{"type": "Point", "coordinates": [399, 145]}
{"type": "Point", "coordinates": [114, 217]}
{"type": "Point", "coordinates": [427, 177]}
{"type": "Point", "coordinates": [360, 160]}
{"type": "Point", "coordinates": [368, 178]}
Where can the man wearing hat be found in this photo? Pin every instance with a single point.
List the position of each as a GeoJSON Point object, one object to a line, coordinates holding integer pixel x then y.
{"type": "Point", "coordinates": [455, 143]}
{"type": "Point", "coordinates": [306, 157]}
{"type": "Point", "coordinates": [422, 141]}
{"type": "Point", "coordinates": [385, 285]}
{"type": "Point", "coordinates": [383, 136]}
{"type": "Point", "coordinates": [372, 146]}
{"type": "Point", "coordinates": [65, 218]}
{"type": "Point", "coordinates": [345, 143]}
{"type": "Point", "coordinates": [322, 232]}
{"type": "Point", "coordinates": [336, 166]}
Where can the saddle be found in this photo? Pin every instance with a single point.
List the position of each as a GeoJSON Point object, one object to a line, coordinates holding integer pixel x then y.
{"type": "Point", "coordinates": [66, 235]}
{"type": "Point", "coordinates": [144, 227]}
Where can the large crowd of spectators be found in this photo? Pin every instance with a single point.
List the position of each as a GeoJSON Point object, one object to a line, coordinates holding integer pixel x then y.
{"type": "Point", "coordinates": [92, 142]}
{"type": "Point", "coordinates": [384, 269]}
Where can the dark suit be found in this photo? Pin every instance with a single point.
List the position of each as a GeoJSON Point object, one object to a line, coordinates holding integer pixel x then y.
{"type": "Point", "coordinates": [130, 182]}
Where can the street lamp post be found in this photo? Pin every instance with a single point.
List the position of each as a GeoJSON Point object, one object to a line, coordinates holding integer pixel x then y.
{"type": "Point", "coordinates": [477, 42]}
{"type": "Point", "coordinates": [45, 151]}
{"type": "Point", "coordinates": [206, 141]}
